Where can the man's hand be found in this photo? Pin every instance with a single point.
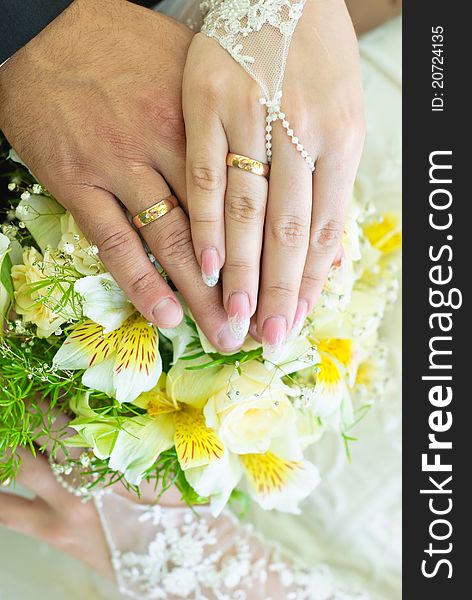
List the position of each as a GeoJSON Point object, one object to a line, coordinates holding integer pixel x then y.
{"type": "Point", "coordinates": [93, 107]}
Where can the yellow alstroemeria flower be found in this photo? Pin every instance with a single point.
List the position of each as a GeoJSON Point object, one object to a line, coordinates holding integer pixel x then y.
{"type": "Point", "coordinates": [384, 234]}
{"type": "Point", "coordinates": [327, 392]}
{"type": "Point", "coordinates": [116, 345]}
{"type": "Point", "coordinates": [195, 443]}
{"type": "Point", "coordinates": [135, 444]}
{"type": "Point", "coordinates": [273, 482]}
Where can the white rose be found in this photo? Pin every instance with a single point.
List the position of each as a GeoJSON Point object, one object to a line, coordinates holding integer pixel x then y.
{"type": "Point", "coordinates": [251, 414]}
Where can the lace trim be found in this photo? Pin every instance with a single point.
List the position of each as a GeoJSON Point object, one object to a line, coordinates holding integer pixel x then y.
{"type": "Point", "coordinates": [257, 34]}
{"type": "Point", "coordinates": [190, 558]}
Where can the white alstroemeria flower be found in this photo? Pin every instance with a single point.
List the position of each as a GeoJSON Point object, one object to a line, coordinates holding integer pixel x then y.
{"type": "Point", "coordinates": [217, 480]}
{"type": "Point", "coordinates": [180, 336]}
{"type": "Point", "coordinates": [138, 445]}
{"type": "Point", "coordinates": [42, 217]}
{"type": "Point", "coordinates": [103, 301]}
{"type": "Point", "coordinates": [295, 355]}
{"type": "Point", "coordinates": [117, 346]}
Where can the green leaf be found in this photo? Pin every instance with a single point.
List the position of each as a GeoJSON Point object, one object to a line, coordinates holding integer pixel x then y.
{"type": "Point", "coordinates": [5, 276]}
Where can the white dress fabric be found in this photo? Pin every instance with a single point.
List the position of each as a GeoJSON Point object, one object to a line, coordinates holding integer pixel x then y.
{"type": "Point", "coordinates": [352, 523]}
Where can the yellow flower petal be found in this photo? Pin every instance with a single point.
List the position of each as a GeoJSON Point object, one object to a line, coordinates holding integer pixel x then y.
{"type": "Point", "coordinates": [328, 373]}
{"type": "Point", "coordinates": [385, 234]}
{"type": "Point", "coordinates": [267, 472]}
{"type": "Point", "coordinates": [195, 443]}
{"type": "Point", "coordinates": [138, 363]}
{"type": "Point", "coordinates": [277, 483]}
{"type": "Point", "coordinates": [340, 349]}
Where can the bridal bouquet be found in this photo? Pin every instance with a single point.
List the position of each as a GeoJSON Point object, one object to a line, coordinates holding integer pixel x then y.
{"type": "Point", "coordinates": [163, 405]}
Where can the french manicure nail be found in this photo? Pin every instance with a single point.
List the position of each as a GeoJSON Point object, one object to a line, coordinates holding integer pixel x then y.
{"type": "Point", "coordinates": [239, 317]}
{"type": "Point", "coordinates": [210, 266]}
{"type": "Point", "coordinates": [274, 332]}
{"type": "Point", "coordinates": [226, 339]}
{"type": "Point", "coordinates": [167, 313]}
{"type": "Point", "coordinates": [299, 320]}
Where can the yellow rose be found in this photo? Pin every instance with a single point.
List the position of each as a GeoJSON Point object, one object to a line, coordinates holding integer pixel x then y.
{"type": "Point", "coordinates": [252, 413]}
{"type": "Point", "coordinates": [38, 306]}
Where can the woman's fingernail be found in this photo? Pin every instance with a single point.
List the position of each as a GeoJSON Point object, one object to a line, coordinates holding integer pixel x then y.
{"type": "Point", "coordinates": [239, 317]}
{"type": "Point", "coordinates": [167, 313]}
{"type": "Point", "coordinates": [300, 316]}
{"type": "Point", "coordinates": [274, 332]}
{"type": "Point", "coordinates": [210, 266]}
{"type": "Point", "coordinates": [227, 341]}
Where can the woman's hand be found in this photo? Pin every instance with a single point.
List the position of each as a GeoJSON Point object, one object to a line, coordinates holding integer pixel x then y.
{"type": "Point", "coordinates": [55, 516]}
{"type": "Point", "coordinates": [296, 219]}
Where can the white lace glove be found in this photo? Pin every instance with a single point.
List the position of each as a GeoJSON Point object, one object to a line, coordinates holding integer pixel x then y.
{"type": "Point", "coordinates": [257, 34]}
{"type": "Point", "coordinates": [170, 553]}
{"type": "Point", "coordinates": [296, 101]}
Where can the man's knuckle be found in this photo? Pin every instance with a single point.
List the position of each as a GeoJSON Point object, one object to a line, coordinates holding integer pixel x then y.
{"type": "Point", "coordinates": [120, 142]}
{"type": "Point", "coordinates": [290, 231]}
{"type": "Point", "coordinates": [116, 243]}
{"type": "Point", "coordinates": [205, 177]}
{"type": "Point", "coordinates": [176, 246]}
{"type": "Point", "coordinates": [165, 117]}
{"type": "Point", "coordinates": [243, 208]}
{"type": "Point", "coordinates": [143, 282]}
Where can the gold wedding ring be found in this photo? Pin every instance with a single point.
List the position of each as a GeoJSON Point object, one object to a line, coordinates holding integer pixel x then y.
{"type": "Point", "coordinates": [247, 164]}
{"type": "Point", "coordinates": [154, 212]}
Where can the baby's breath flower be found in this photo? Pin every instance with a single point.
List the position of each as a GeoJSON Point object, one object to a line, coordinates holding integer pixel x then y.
{"type": "Point", "coordinates": [92, 250]}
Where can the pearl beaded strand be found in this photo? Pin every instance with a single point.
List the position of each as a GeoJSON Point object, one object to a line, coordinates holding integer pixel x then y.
{"type": "Point", "coordinates": [274, 113]}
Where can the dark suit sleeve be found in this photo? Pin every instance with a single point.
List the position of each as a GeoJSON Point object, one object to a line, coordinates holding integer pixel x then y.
{"type": "Point", "coordinates": [21, 20]}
